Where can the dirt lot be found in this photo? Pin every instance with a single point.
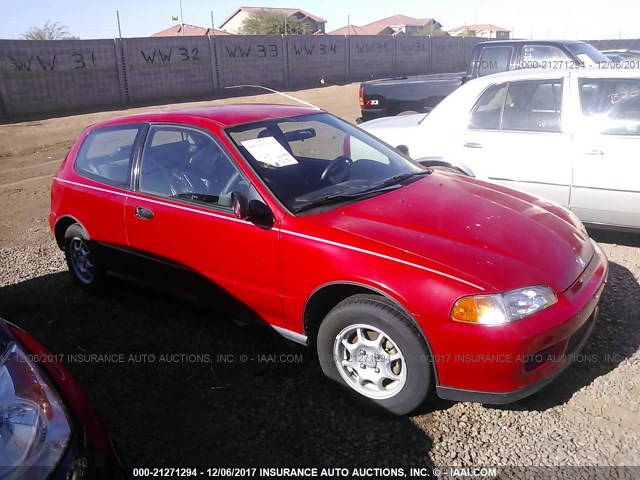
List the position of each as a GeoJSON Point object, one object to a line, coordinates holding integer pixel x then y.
{"type": "Point", "coordinates": [31, 152]}
{"type": "Point", "coordinates": [191, 407]}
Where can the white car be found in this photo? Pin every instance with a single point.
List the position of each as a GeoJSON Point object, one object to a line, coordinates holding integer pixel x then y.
{"type": "Point", "coordinates": [571, 136]}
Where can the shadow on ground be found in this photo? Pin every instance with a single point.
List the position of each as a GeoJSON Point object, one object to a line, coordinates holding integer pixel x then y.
{"type": "Point", "coordinates": [197, 389]}
{"type": "Point", "coordinates": [617, 238]}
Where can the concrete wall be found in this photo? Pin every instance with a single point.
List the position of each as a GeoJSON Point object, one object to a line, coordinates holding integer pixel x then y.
{"type": "Point", "coordinates": [448, 55]}
{"type": "Point", "coordinates": [315, 57]}
{"type": "Point", "coordinates": [413, 55]}
{"type": "Point", "coordinates": [41, 78]}
{"type": "Point", "coordinates": [168, 68]}
{"type": "Point", "coordinates": [371, 56]}
{"type": "Point", "coordinates": [615, 44]}
{"type": "Point", "coordinates": [250, 60]}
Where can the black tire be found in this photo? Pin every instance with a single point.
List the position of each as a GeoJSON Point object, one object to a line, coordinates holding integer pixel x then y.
{"type": "Point", "coordinates": [84, 265]}
{"type": "Point", "coordinates": [402, 352]}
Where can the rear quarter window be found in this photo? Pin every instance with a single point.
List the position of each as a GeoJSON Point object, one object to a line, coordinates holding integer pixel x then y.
{"type": "Point", "coordinates": [106, 155]}
{"type": "Point", "coordinates": [494, 60]}
{"type": "Point", "coordinates": [611, 106]}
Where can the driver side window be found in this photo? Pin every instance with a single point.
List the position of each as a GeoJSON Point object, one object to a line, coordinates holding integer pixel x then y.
{"type": "Point", "coordinates": [188, 164]}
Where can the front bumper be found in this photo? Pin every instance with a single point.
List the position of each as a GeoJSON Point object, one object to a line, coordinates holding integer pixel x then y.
{"type": "Point", "coordinates": [502, 364]}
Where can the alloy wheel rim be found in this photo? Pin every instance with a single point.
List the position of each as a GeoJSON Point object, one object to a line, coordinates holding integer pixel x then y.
{"type": "Point", "coordinates": [370, 361]}
{"type": "Point", "coordinates": [82, 261]}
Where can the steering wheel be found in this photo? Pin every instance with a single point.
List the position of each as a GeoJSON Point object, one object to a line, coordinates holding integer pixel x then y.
{"type": "Point", "coordinates": [338, 170]}
{"type": "Point", "coordinates": [179, 183]}
{"type": "Point", "coordinates": [231, 184]}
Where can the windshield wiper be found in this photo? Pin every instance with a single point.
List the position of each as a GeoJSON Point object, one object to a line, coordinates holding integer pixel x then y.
{"type": "Point", "coordinates": [399, 178]}
{"type": "Point", "coordinates": [342, 197]}
{"type": "Point", "coordinates": [389, 184]}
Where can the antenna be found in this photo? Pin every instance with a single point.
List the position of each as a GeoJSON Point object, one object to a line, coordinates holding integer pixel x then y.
{"type": "Point", "coordinates": [290, 97]}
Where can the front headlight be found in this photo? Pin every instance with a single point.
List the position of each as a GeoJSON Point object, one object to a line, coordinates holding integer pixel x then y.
{"type": "Point", "coordinates": [34, 426]}
{"type": "Point", "coordinates": [503, 308]}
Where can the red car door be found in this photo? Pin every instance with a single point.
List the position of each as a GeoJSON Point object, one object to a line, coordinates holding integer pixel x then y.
{"type": "Point", "coordinates": [180, 214]}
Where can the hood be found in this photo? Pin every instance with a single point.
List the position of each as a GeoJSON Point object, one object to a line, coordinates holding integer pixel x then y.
{"type": "Point", "coordinates": [396, 131]}
{"type": "Point", "coordinates": [401, 121]}
{"type": "Point", "coordinates": [500, 237]}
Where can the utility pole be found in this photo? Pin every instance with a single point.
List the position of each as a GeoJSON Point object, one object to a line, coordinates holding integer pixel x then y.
{"type": "Point", "coordinates": [213, 27]}
{"type": "Point", "coordinates": [119, 29]}
{"type": "Point", "coordinates": [181, 20]}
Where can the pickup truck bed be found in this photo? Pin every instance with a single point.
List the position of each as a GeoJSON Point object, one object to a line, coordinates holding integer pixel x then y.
{"type": "Point", "coordinates": [421, 93]}
{"type": "Point", "coordinates": [415, 94]}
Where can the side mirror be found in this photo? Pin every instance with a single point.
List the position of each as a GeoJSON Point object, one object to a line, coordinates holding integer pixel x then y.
{"type": "Point", "coordinates": [252, 210]}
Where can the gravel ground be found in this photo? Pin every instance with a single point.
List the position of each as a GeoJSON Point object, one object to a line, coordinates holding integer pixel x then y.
{"type": "Point", "coordinates": [276, 409]}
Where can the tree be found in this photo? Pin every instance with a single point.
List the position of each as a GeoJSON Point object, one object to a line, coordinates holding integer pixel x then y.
{"type": "Point", "coordinates": [265, 22]}
{"type": "Point", "coordinates": [467, 33]}
{"type": "Point", "coordinates": [50, 31]}
{"type": "Point", "coordinates": [433, 31]}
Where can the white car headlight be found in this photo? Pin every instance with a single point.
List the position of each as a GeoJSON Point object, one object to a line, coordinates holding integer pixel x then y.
{"type": "Point", "coordinates": [34, 426]}
{"type": "Point", "coordinates": [503, 308]}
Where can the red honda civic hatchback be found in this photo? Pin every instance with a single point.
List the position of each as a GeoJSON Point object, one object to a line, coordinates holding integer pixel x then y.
{"type": "Point", "coordinates": [403, 279]}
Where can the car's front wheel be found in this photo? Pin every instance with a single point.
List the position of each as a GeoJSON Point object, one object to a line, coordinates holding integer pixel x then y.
{"type": "Point", "coordinates": [367, 344]}
{"type": "Point", "coordinates": [84, 266]}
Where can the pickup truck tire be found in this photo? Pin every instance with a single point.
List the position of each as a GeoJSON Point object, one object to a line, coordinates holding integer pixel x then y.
{"type": "Point", "coordinates": [369, 346]}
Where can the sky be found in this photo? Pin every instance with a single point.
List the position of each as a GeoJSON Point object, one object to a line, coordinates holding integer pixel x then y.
{"type": "Point", "coordinates": [576, 19]}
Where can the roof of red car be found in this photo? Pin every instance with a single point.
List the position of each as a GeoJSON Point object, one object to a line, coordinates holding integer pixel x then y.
{"type": "Point", "coordinates": [224, 115]}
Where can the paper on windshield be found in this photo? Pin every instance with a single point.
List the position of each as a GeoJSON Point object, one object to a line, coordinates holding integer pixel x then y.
{"type": "Point", "coordinates": [268, 150]}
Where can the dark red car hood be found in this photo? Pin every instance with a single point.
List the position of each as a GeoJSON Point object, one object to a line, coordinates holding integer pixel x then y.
{"type": "Point", "coordinates": [502, 238]}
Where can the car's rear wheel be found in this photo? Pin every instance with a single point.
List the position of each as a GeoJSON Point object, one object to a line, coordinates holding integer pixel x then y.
{"type": "Point", "coordinates": [84, 266]}
{"type": "Point", "coordinates": [367, 344]}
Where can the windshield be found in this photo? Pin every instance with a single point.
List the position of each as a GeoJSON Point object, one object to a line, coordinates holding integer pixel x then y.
{"type": "Point", "coordinates": [318, 159]}
{"type": "Point", "coordinates": [587, 54]}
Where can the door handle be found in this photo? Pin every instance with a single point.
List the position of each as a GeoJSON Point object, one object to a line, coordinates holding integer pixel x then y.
{"type": "Point", "coordinates": [144, 213]}
{"type": "Point", "coordinates": [595, 152]}
{"type": "Point", "coordinates": [473, 145]}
